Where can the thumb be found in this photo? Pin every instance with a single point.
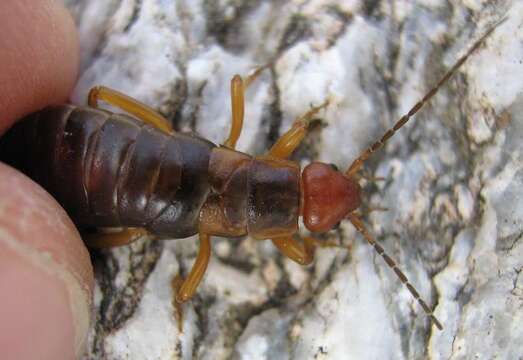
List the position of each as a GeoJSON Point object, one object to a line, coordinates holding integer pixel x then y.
{"type": "Point", "coordinates": [45, 274]}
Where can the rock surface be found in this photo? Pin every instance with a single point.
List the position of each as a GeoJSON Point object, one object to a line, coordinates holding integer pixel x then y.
{"type": "Point", "coordinates": [453, 177]}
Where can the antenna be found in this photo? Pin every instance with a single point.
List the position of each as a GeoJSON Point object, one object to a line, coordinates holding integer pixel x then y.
{"type": "Point", "coordinates": [358, 163]}
{"type": "Point", "coordinates": [358, 224]}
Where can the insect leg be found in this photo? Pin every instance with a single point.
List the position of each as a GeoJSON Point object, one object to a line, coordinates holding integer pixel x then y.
{"type": "Point", "coordinates": [238, 109]}
{"type": "Point", "coordinates": [250, 79]}
{"type": "Point", "coordinates": [238, 87]}
{"type": "Point", "coordinates": [289, 141]}
{"type": "Point", "coordinates": [358, 224]}
{"type": "Point", "coordinates": [102, 240]}
{"type": "Point", "coordinates": [132, 106]}
{"type": "Point", "coordinates": [189, 285]}
{"type": "Point", "coordinates": [302, 254]}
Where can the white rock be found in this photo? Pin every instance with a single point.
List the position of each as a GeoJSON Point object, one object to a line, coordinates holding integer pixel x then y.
{"type": "Point", "coordinates": [454, 176]}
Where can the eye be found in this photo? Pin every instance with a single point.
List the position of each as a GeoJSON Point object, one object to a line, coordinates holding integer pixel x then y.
{"type": "Point", "coordinates": [337, 226]}
{"type": "Point", "coordinates": [334, 167]}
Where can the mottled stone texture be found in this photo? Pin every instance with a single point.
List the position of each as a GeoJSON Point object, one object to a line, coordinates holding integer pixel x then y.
{"type": "Point", "coordinates": [453, 177]}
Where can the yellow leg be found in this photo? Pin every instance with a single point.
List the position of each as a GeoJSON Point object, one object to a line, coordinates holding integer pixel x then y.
{"type": "Point", "coordinates": [289, 141]}
{"type": "Point", "coordinates": [106, 240]}
{"type": "Point", "coordinates": [238, 87]}
{"type": "Point", "coordinates": [302, 254]}
{"type": "Point", "coordinates": [238, 110]}
{"type": "Point", "coordinates": [132, 106]}
{"type": "Point", "coordinates": [189, 285]}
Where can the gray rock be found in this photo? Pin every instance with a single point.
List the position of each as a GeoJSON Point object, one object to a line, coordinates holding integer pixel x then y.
{"type": "Point", "coordinates": [453, 177]}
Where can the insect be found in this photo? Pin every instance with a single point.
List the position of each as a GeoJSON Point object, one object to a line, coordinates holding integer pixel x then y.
{"type": "Point", "coordinates": [113, 170]}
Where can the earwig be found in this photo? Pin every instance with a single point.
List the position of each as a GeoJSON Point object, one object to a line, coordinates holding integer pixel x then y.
{"type": "Point", "coordinates": [113, 170]}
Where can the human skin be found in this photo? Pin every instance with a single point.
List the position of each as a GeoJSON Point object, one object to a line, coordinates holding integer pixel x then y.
{"type": "Point", "coordinates": [46, 277]}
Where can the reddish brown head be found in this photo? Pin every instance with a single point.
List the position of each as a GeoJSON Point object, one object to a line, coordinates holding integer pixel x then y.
{"type": "Point", "coordinates": [328, 196]}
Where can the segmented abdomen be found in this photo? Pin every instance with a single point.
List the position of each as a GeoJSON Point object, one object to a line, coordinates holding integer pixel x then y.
{"type": "Point", "coordinates": [110, 170]}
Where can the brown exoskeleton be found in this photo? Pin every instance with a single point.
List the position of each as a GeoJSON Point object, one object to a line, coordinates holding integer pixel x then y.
{"type": "Point", "coordinates": [112, 170]}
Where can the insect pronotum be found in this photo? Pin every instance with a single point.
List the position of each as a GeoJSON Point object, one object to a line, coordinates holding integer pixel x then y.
{"type": "Point", "coordinates": [113, 170]}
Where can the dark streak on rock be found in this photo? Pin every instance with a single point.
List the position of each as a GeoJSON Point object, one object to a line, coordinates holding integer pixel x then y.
{"type": "Point", "coordinates": [228, 30]}
{"type": "Point", "coordinates": [176, 103]}
{"type": "Point", "coordinates": [336, 266]}
{"type": "Point", "coordinates": [321, 351]}
{"type": "Point", "coordinates": [297, 30]}
{"type": "Point", "coordinates": [508, 243]}
{"type": "Point", "coordinates": [371, 8]}
{"type": "Point", "coordinates": [342, 16]}
{"type": "Point", "coordinates": [242, 264]}
{"type": "Point", "coordinates": [242, 314]}
{"type": "Point", "coordinates": [284, 286]}
{"type": "Point", "coordinates": [236, 318]}
{"type": "Point", "coordinates": [272, 117]}
{"type": "Point", "coordinates": [137, 7]}
{"type": "Point", "coordinates": [186, 115]}
{"type": "Point", "coordinates": [119, 303]}
{"type": "Point", "coordinates": [384, 69]}
{"type": "Point", "coordinates": [178, 350]}
{"type": "Point", "coordinates": [202, 305]}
